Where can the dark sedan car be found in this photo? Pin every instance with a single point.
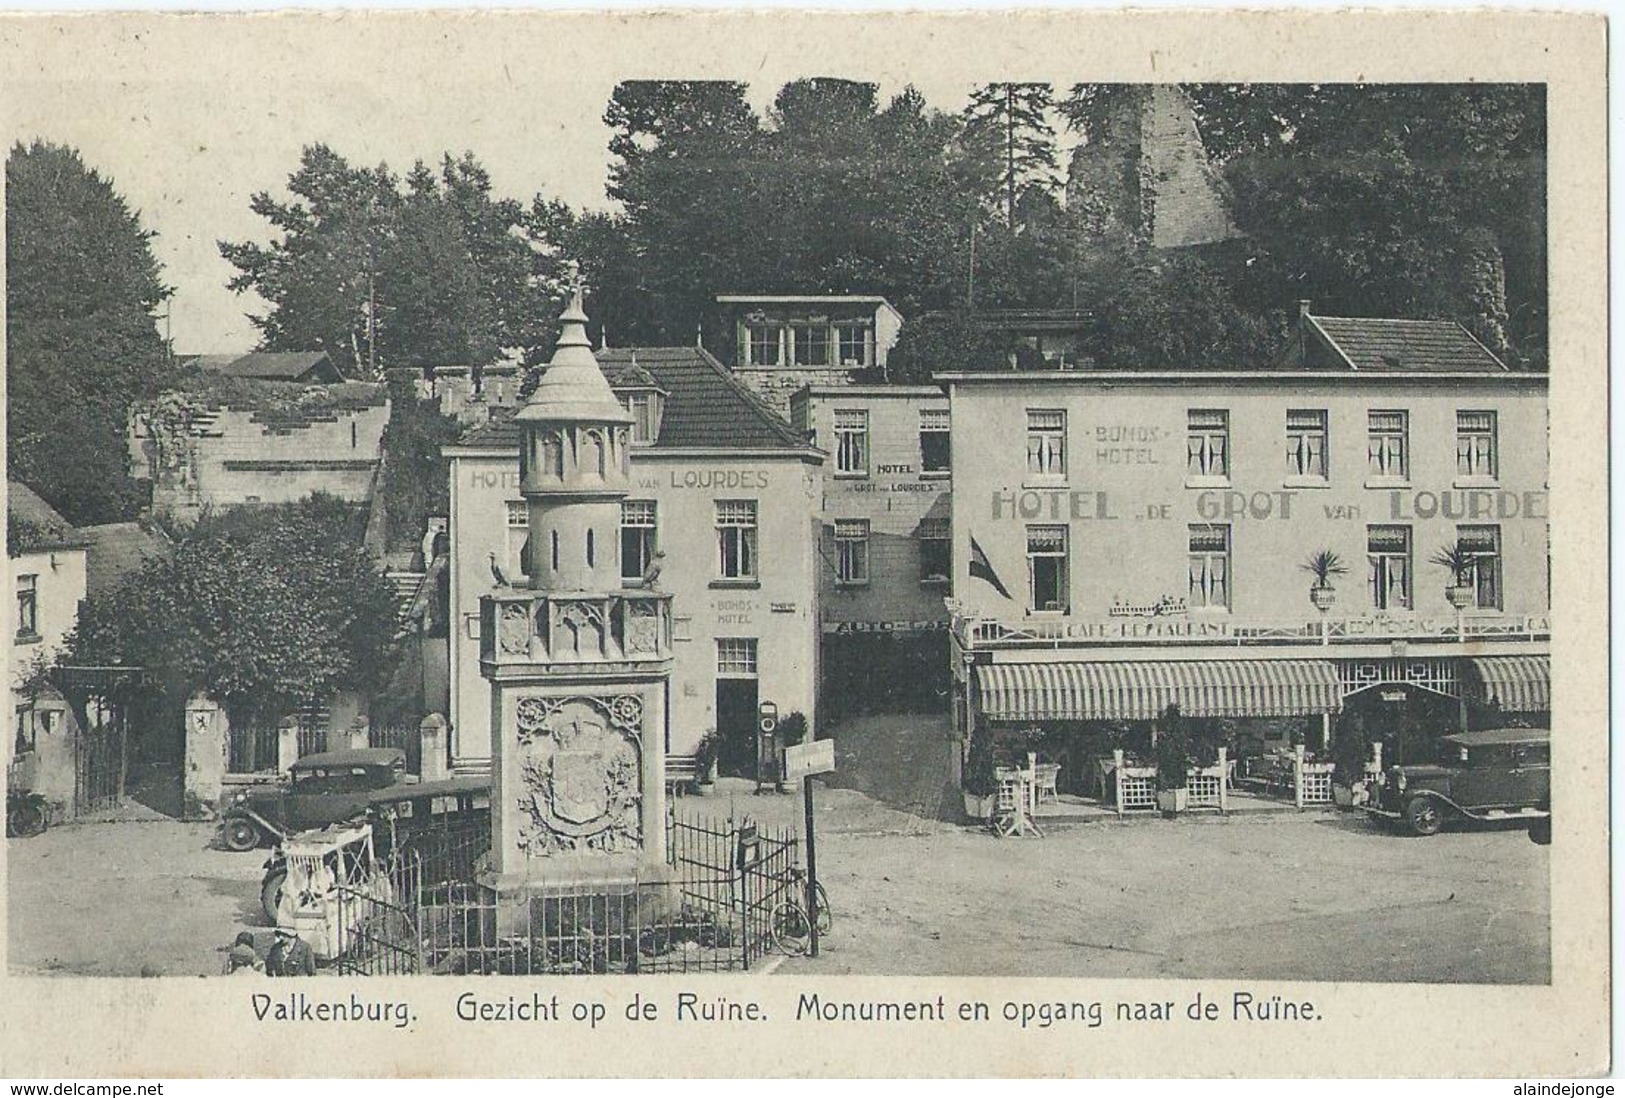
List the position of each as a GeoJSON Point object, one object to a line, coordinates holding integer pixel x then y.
{"type": "Point", "coordinates": [323, 789]}
{"type": "Point", "coordinates": [1494, 774]}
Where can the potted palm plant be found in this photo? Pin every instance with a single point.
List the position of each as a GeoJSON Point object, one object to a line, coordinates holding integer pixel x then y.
{"type": "Point", "coordinates": [1173, 763]}
{"type": "Point", "coordinates": [1459, 562]}
{"type": "Point", "coordinates": [705, 762]}
{"type": "Point", "coordinates": [1323, 565]}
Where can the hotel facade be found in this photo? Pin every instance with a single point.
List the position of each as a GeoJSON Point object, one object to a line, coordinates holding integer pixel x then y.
{"type": "Point", "coordinates": [1126, 541]}
{"type": "Point", "coordinates": [721, 515]}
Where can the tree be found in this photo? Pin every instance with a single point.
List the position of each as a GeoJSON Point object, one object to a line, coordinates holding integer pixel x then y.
{"type": "Point", "coordinates": [264, 609]}
{"type": "Point", "coordinates": [82, 289]}
{"type": "Point", "coordinates": [380, 272]}
{"type": "Point", "coordinates": [682, 157]}
{"type": "Point", "coordinates": [1008, 125]}
{"type": "Point", "coordinates": [1394, 200]}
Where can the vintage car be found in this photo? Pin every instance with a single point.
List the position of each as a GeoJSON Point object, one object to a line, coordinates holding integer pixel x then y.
{"type": "Point", "coordinates": [1494, 774]}
{"type": "Point", "coordinates": [325, 788]}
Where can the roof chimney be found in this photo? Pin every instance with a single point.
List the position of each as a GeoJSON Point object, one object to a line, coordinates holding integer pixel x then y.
{"type": "Point", "coordinates": [1303, 308]}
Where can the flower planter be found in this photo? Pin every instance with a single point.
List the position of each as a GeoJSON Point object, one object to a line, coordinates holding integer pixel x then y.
{"type": "Point", "coordinates": [1460, 597]}
{"type": "Point", "coordinates": [1342, 795]}
{"type": "Point", "coordinates": [978, 807]}
{"type": "Point", "coordinates": [1172, 801]}
{"type": "Point", "coordinates": [1322, 597]}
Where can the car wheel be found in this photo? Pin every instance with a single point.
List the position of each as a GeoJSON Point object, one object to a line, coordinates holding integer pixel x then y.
{"type": "Point", "coordinates": [1424, 815]}
{"type": "Point", "coordinates": [24, 820]}
{"type": "Point", "coordinates": [241, 835]}
{"type": "Point", "coordinates": [1541, 831]}
{"type": "Point", "coordinates": [271, 894]}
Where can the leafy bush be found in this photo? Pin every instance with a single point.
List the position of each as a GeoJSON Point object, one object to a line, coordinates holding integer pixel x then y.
{"type": "Point", "coordinates": [1173, 749]}
{"type": "Point", "coordinates": [978, 778]}
{"type": "Point", "coordinates": [414, 479]}
{"type": "Point", "coordinates": [793, 728]}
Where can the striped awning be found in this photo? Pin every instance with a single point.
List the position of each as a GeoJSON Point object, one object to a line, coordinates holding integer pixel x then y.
{"type": "Point", "coordinates": [1518, 684]}
{"type": "Point", "coordinates": [1142, 690]}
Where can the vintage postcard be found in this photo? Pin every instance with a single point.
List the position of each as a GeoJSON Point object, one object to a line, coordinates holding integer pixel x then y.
{"type": "Point", "coordinates": [732, 544]}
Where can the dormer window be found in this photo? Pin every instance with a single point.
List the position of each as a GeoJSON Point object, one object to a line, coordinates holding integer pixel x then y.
{"type": "Point", "coordinates": [647, 407]}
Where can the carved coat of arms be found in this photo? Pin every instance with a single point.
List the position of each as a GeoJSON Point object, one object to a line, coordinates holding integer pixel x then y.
{"type": "Point", "coordinates": [580, 774]}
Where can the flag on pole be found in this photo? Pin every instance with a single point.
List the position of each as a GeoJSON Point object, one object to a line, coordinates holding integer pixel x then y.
{"type": "Point", "coordinates": [982, 568]}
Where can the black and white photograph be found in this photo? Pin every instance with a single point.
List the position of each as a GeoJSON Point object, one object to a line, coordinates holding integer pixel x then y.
{"type": "Point", "coordinates": [777, 519]}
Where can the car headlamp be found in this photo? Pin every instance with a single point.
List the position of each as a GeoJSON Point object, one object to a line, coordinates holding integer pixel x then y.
{"type": "Point", "coordinates": [239, 797]}
{"type": "Point", "coordinates": [1399, 780]}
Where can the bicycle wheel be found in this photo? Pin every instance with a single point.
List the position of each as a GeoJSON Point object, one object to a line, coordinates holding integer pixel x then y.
{"type": "Point", "coordinates": [788, 929]}
{"type": "Point", "coordinates": [825, 919]}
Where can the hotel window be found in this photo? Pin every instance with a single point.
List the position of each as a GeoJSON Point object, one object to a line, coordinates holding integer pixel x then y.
{"type": "Point", "coordinates": [1387, 447]}
{"type": "Point", "coordinates": [637, 537]}
{"type": "Point", "coordinates": [1046, 569]}
{"type": "Point", "coordinates": [764, 343]}
{"type": "Point", "coordinates": [642, 407]}
{"type": "Point", "coordinates": [936, 451]}
{"type": "Point", "coordinates": [1475, 445]}
{"type": "Point", "coordinates": [811, 344]}
{"type": "Point", "coordinates": [1483, 544]}
{"type": "Point", "coordinates": [1207, 442]}
{"type": "Point", "coordinates": [28, 607]}
{"type": "Point", "coordinates": [852, 343]}
{"type": "Point", "coordinates": [1209, 566]}
{"type": "Point", "coordinates": [1306, 443]}
{"type": "Point", "coordinates": [851, 442]}
{"type": "Point", "coordinates": [852, 551]}
{"type": "Point", "coordinates": [935, 551]}
{"type": "Point", "coordinates": [1388, 548]}
{"type": "Point", "coordinates": [518, 533]}
{"type": "Point", "coordinates": [1046, 442]}
{"type": "Point", "coordinates": [736, 657]}
{"type": "Point", "coordinates": [736, 539]}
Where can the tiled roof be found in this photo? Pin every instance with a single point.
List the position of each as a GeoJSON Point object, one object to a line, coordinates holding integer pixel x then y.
{"type": "Point", "coordinates": [706, 407]}
{"type": "Point", "coordinates": [36, 525]}
{"type": "Point", "coordinates": [1405, 346]}
{"type": "Point", "coordinates": [116, 550]}
{"type": "Point", "coordinates": [271, 365]}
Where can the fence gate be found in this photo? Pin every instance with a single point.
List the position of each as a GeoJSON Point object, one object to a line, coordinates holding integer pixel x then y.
{"type": "Point", "coordinates": [99, 757]}
{"type": "Point", "coordinates": [252, 750]}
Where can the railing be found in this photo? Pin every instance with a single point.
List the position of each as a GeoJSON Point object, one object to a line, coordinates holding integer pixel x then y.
{"type": "Point", "coordinates": [407, 737]}
{"type": "Point", "coordinates": [252, 750]}
{"type": "Point", "coordinates": [1174, 629]}
{"type": "Point", "coordinates": [430, 916]}
{"type": "Point", "coordinates": [546, 627]}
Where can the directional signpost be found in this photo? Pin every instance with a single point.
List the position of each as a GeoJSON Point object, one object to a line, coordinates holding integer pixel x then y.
{"type": "Point", "coordinates": [803, 761]}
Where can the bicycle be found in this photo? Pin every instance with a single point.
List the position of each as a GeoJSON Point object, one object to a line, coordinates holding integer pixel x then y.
{"type": "Point", "coordinates": [789, 929]}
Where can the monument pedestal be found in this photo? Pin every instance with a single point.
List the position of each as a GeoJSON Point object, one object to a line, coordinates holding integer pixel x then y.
{"type": "Point", "coordinates": [579, 811]}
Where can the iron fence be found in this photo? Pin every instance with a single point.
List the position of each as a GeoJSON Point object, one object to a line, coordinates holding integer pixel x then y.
{"type": "Point", "coordinates": [714, 914]}
{"type": "Point", "coordinates": [252, 750]}
{"type": "Point", "coordinates": [407, 737]}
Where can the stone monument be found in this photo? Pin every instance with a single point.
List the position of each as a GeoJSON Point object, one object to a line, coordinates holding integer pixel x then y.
{"type": "Point", "coordinates": [579, 664]}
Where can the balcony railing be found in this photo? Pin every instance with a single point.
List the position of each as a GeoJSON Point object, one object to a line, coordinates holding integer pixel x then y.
{"type": "Point", "coordinates": [518, 627]}
{"type": "Point", "coordinates": [987, 633]}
